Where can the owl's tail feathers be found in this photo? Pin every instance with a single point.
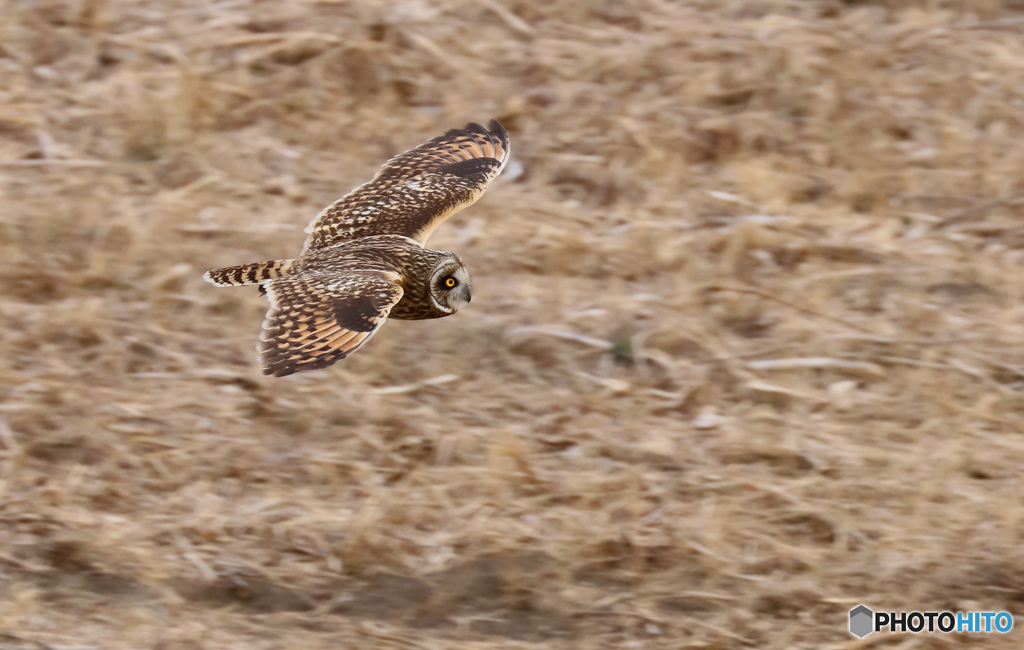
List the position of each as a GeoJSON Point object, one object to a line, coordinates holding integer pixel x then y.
{"type": "Point", "coordinates": [254, 273]}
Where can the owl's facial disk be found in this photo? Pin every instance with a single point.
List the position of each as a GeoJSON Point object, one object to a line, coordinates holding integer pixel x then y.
{"type": "Point", "coordinates": [451, 287]}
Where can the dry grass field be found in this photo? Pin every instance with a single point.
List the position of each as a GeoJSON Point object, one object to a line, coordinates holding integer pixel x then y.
{"type": "Point", "coordinates": [745, 348]}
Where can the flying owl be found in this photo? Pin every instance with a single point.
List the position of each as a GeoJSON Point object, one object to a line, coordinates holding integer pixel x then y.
{"type": "Point", "coordinates": [364, 258]}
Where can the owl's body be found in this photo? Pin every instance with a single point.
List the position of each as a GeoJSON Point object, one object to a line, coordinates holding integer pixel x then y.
{"type": "Point", "coordinates": [364, 258]}
{"type": "Point", "coordinates": [387, 254]}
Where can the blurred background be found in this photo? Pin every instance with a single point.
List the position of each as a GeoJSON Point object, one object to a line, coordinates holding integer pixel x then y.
{"type": "Point", "coordinates": [744, 350]}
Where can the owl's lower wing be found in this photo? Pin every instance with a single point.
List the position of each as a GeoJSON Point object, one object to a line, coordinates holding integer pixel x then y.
{"type": "Point", "coordinates": [316, 319]}
{"type": "Point", "coordinates": [415, 191]}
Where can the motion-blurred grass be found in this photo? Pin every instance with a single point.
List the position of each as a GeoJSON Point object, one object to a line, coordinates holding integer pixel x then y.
{"type": "Point", "coordinates": [745, 349]}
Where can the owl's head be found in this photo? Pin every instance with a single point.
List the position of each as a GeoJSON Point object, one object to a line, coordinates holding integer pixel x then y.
{"type": "Point", "coordinates": [450, 285]}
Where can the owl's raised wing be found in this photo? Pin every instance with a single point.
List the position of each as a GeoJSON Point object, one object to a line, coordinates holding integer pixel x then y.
{"type": "Point", "coordinates": [415, 191]}
{"type": "Point", "coordinates": [316, 319]}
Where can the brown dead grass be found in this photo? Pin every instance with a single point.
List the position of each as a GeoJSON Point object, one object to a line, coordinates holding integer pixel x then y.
{"type": "Point", "coordinates": [746, 349]}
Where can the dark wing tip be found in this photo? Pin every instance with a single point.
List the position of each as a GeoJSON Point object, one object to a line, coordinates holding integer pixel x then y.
{"type": "Point", "coordinates": [495, 127]}
{"type": "Point", "coordinates": [498, 137]}
{"type": "Point", "coordinates": [280, 364]}
{"type": "Point", "coordinates": [279, 371]}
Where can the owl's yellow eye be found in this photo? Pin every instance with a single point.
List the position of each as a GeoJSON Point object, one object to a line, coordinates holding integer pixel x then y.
{"type": "Point", "coordinates": [450, 282]}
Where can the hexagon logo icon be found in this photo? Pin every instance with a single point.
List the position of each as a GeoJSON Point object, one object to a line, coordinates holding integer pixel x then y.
{"type": "Point", "coordinates": [862, 621]}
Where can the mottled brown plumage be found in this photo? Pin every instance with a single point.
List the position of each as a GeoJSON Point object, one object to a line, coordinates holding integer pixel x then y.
{"type": "Point", "coordinates": [415, 191]}
{"type": "Point", "coordinates": [364, 258]}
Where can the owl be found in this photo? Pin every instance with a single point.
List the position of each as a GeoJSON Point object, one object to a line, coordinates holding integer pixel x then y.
{"type": "Point", "coordinates": [364, 259]}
